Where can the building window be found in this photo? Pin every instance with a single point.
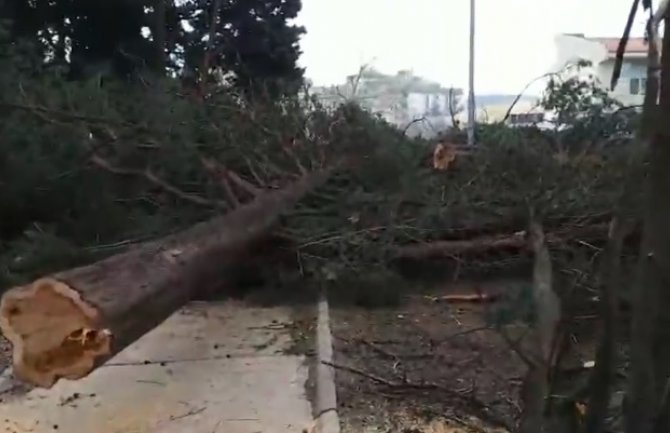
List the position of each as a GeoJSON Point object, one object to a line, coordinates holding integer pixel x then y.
{"type": "Point", "coordinates": [634, 86]}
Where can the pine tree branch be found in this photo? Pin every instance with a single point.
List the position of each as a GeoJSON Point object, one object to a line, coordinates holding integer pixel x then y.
{"type": "Point", "coordinates": [152, 178]}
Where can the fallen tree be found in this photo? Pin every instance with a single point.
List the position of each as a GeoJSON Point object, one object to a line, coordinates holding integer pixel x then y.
{"type": "Point", "coordinates": [67, 324]}
{"type": "Point", "coordinates": [507, 242]}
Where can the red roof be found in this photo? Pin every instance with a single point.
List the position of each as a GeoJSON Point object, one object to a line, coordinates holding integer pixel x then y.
{"type": "Point", "coordinates": [633, 46]}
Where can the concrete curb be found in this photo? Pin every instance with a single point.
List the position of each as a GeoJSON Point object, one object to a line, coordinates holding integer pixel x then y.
{"type": "Point", "coordinates": [326, 394]}
{"type": "Point", "coordinates": [7, 381]}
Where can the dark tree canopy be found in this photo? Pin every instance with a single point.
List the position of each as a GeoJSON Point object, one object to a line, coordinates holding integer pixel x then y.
{"type": "Point", "coordinates": [253, 40]}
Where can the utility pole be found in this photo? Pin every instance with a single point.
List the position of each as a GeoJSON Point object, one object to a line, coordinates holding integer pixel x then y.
{"type": "Point", "coordinates": [471, 78]}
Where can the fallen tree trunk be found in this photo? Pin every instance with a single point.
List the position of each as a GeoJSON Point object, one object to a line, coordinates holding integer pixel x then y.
{"type": "Point", "coordinates": [67, 324]}
{"type": "Point", "coordinates": [449, 248]}
{"type": "Point", "coordinates": [480, 245]}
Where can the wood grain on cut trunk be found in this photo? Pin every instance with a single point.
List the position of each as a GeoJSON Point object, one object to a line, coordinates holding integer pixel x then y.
{"type": "Point", "coordinates": [67, 324]}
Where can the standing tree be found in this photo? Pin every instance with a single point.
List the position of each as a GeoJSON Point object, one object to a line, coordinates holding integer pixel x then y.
{"type": "Point", "coordinates": [86, 37]}
{"type": "Point", "coordinates": [251, 39]}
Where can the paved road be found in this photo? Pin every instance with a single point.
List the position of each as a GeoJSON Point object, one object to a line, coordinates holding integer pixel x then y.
{"type": "Point", "coordinates": [210, 368]}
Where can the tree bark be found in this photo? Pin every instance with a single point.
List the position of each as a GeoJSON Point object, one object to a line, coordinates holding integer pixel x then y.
{"type": "Point", "coordinates": [449, 248]}
{"type": "Point", "coordinates": [207, 58]}
{"type": "Point", "coordinates": [536, 388]}
{"type": "Point", "coordinates": [67, 324]}
{"type": "Point", "coordinates": [159, 34]}
{"type": "Point", "coordinates": [505, 242]}
{"type": "Point", "coordinates": [606, 354]}
{"type": "Point", "coordinates": [647, 394]}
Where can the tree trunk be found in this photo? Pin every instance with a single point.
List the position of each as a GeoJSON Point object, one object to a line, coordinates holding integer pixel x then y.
{"type": "Point", "coordinates": [67, 324]}
{"type": "Point", "coordinates": [207, 57]}
{"type": "Point", "coordinates": [647, 393]}
{"type": "Point", "coordinates": [506, 242]}
{"type": "Point", "coordinates": [536, 389]}
{"type": "Point", "coordinates": [606, 355]}
{"type": "Point", "coordinates": [158, 32]}
{"type": "Point", "coordinates": [450, 248]}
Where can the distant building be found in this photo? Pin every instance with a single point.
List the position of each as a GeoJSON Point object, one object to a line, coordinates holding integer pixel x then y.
{"type": "Point", "coordinates": [601, 52]}
{"type": "Point", "coordinates": [414, 104]}
{"type": "Point", "coordinates": [493, 108]}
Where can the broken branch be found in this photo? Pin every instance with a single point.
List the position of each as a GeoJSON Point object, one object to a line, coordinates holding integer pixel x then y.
{"type": "Point", "coordinates": [152, 178]}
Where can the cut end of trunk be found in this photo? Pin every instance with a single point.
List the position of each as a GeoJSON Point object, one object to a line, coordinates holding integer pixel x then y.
{"type": "Point", "coordinates": [54, 333]}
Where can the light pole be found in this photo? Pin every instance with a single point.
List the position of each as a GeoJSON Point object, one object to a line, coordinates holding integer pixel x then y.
{"type": "Point", "coordinates": [471, 78]}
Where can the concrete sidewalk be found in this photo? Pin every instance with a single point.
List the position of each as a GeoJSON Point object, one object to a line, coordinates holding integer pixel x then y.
{"type": "Point", "coordinates": [212, 367]}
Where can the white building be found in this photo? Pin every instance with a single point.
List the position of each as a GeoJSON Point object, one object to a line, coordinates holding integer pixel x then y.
{"type": "Point", "coordinates": [416, 105]}
{"type": "Point", "coordinates": [601, 52]}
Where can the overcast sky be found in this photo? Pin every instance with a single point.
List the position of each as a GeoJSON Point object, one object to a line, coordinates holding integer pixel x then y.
{"type": "Point", "coordinates": [514, 38]}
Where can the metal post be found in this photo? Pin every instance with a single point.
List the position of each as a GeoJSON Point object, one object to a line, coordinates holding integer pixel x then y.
{"type": "Point", "coordinates": [471, 77]}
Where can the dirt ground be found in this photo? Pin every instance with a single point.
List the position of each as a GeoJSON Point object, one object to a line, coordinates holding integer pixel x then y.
{"type": "Point", "coordinates": [402, 369]}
